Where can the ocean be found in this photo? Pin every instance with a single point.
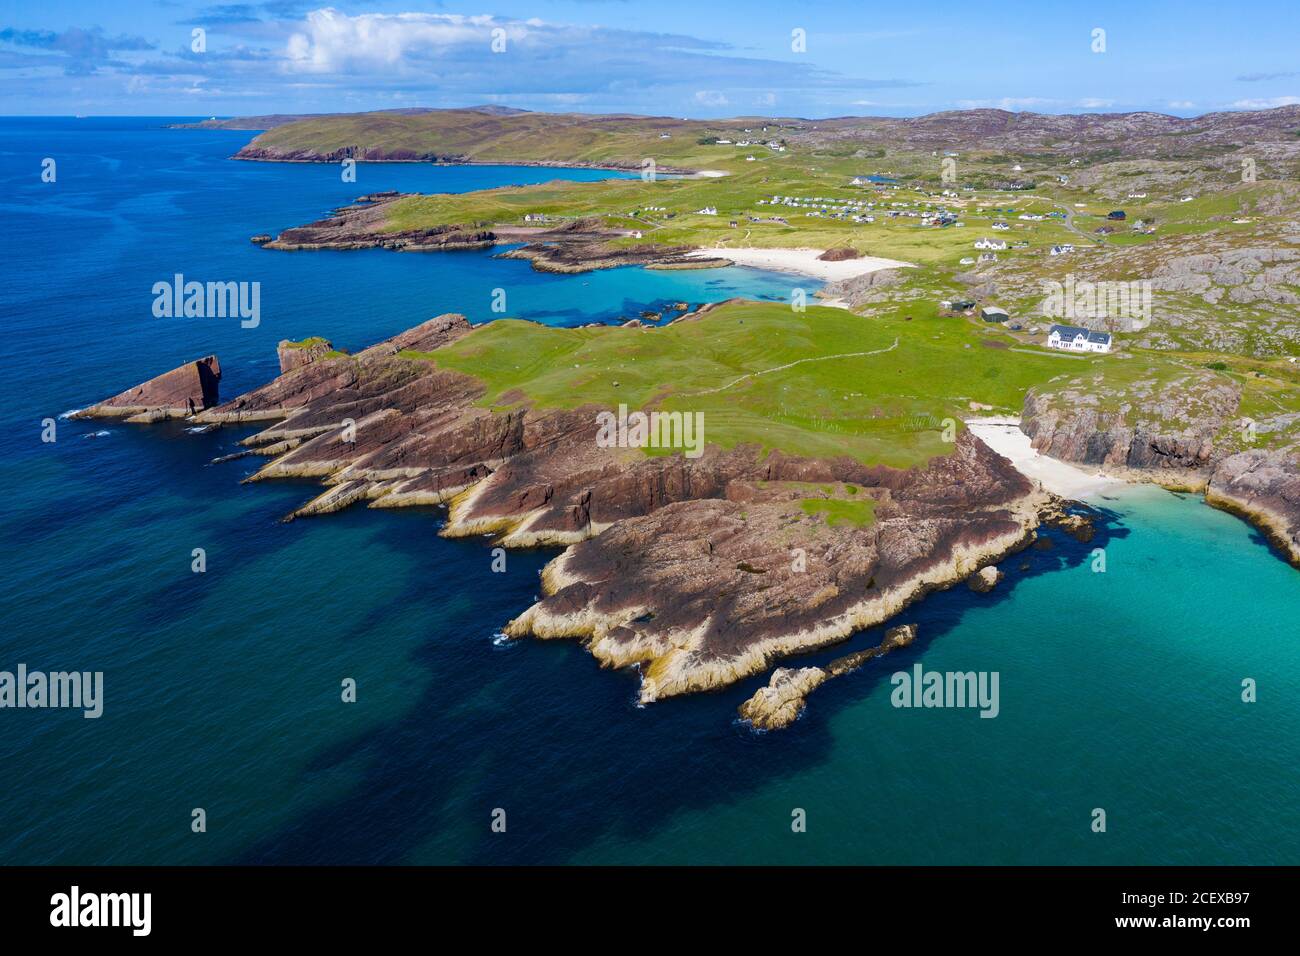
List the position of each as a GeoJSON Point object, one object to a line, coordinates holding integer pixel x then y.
{"type": "Point", "coordinates": [1119, 690]}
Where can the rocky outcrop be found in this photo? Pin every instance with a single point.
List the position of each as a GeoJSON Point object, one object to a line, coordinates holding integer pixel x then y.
{"type": "Point", "coordinates": [180, 393]}
{"type": "Point", "coordinates": [364, 225]}
{"type": "Point", "coordinates": [1239, 276]}
{"type": "Point", "coordinates": [574, 255]}
{"type": "Point", "coordinates": [781, 702]}
{"type": "Point", "coordinates": [862, 289]}
{"type": "Point", "coordinates": [580, 245]}
{"type": "Point", "coordinates": [839, 254]}
{"type": "Point", "coordinates": [704, 592]}
{"type": "Point", "coordinates": [584, 245]}
{"type": "Point", "coordinates": [984, 580]}
{"type": "Point", "coordinates": [1181, 434]}
{"type": "Point", "coordinates": [1262, 487]}
{"type": "Point", "coordinates": [1157, 425]}
{"type": "Point", "coordinates": [698, 571]}
{"type": "Point", "coordinates": [294, 355]}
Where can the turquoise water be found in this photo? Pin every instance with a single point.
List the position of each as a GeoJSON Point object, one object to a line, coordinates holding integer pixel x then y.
{"type": "Point", "coordinates": [1118, 690]}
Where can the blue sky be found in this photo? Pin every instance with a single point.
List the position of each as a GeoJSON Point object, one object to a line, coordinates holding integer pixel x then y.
{"type": "Point", "coordinates": [670, 57]}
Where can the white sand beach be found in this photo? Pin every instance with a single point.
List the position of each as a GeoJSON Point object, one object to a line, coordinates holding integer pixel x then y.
{"type": "Point", "coordinates": [801, 261]}
{"type": "Point", "coordinates": [1004, 436]}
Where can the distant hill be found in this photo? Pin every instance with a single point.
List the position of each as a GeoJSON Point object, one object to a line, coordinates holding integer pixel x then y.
{"type": "Point", "coordinates": [272, 120]}
{"type": "Point", "coordinates": [503, 134]}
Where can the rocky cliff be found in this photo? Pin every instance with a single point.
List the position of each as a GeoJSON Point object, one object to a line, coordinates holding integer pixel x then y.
{"type": "Point", "coordinates": [1157, 425]}
{"type": "Point", "coordinates": [182, 392]}
{"type": "Point", "coordinates": [1182, 432]}
{"type": "Point", "coordinates": [1262, 487]}
{"type": "Point", "coordinates": [364, 226]}
{"type": "Point", "coordinates": [780, 703]}
{"type": "Point", "coordinates": [294, 355]}
{"type": "Point", "coordinates": [697, 571]}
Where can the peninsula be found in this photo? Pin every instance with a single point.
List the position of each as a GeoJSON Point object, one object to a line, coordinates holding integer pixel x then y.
{"type": "Point", "coordinates": [839, 481]}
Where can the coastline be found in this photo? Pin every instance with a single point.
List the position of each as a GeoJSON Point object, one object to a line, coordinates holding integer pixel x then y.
{"type": "Point", "coordinates": [1003, 435]}
{"type": "Point", "coordinates": [249, 156]}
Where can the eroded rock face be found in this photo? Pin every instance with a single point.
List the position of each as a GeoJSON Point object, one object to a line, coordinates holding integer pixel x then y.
{"type": "Point", "coordinates": [294, 355]}
{"type": "Point", "coordinates": [984, 580]}
{"type": "Point", "coordinates": [1264, 488]}
{"type": "Point", "coordinates": [862, 289]}
{"type": "Point", "coordinates": [780, 703]}
{"type": "Point", "coordinates": [707, 591]}
{"type": "Point", "coordinates": [363, 226]}
{"type": "Point", "coordinates": [1181, 434]}
{"type": "Point", "coordinates": [1157, 425]}
{"type": "Point", "coordinates": [182, 392]}
{"type": "Point", "coordinates": [699, 570]}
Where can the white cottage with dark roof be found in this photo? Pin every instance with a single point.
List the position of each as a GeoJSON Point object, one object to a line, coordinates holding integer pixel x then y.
{"type": "Point", "coordinates": [1071, 338]}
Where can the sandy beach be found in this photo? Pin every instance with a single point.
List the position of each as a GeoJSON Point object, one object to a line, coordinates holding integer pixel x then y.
{"type": "Point", "coordinates": [1004, 436]}
{"type": "Point", "coordinates": [801, 261]}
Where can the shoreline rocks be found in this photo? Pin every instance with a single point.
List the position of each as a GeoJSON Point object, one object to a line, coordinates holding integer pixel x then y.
{"type": "Point", "coordinates": [294, 355]}
{"type": "Point", "coordinates": [1156, 444]}
{"type": "Point", "coordinates": [984, 580]}
{"type": "Point", "coordinates": [783, 700]}
{"type": "Point", "coordinates": [701, 571]}
{"type": "Point", "coordinates": [180, 393]}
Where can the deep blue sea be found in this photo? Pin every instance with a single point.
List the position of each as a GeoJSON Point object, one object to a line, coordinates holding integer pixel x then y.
{"type": "Point", "coordinates": [1118, 690]}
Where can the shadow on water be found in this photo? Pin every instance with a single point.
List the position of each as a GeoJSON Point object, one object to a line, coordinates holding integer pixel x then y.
{"type": "Point", "coordinates": [564, 750]}
{"type": "Point", "coordinates": [941, 613]}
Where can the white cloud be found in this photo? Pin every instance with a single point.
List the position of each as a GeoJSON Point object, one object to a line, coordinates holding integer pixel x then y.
{"type": "Point", "coordinates": [337, 43]}
{"type": "Point", "coordinates": [711, 98]}
{"type": "Point", "coordinates": [1008, 103]}
{"type": "Point", "coordinates": [1093, 103]}
{"type": "Point", "coordinates": [1181, 105]}
{"type": "Point", "coordinates": [1266, 103]}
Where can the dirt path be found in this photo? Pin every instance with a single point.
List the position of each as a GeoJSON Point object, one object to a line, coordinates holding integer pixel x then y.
{"type": "Point", "coordinates": [782, 368]}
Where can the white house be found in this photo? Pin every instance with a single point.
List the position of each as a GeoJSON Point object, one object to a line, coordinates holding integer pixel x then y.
{"type": "Point", "coordinates": [708, 211]}
{"type": "Point", "coordinates": [985, 243]}
{"type": "Point", "coordinates": [1001, 226]}
{"type": "Point", "coordinates": [1061, 249]}
{"type": "Point", "coordinates": [1071, 338]}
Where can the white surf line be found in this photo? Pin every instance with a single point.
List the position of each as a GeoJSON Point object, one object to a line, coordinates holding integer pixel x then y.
{"type": "Point", "coordinates": [782, 368]}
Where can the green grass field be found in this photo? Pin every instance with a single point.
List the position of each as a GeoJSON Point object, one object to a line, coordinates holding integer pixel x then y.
{"type": "Point", "coordinates": [888, 407]}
